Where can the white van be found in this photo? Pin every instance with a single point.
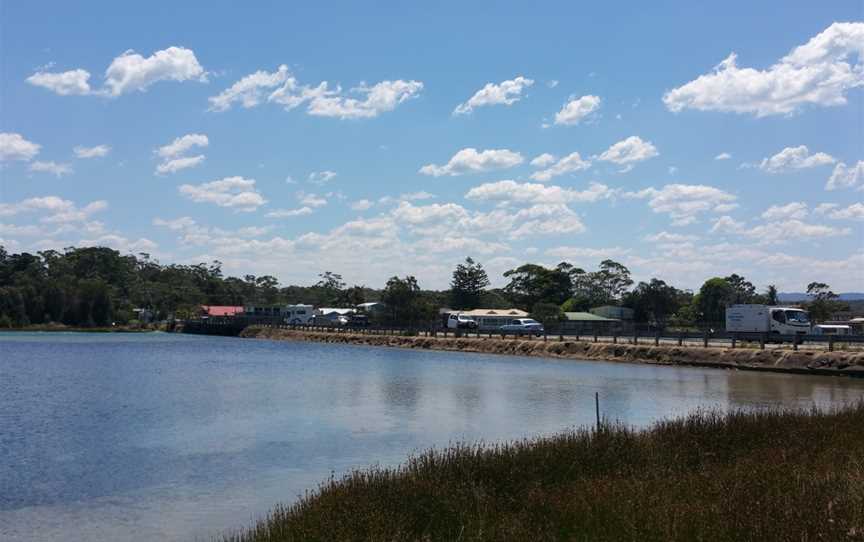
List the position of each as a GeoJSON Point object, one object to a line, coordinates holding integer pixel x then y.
{"type": "Point", "coordinates": [460, 321]}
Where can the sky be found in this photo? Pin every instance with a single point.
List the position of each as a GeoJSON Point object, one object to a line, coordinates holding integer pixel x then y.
{"type": "Point", "coordinates": [389, 138]}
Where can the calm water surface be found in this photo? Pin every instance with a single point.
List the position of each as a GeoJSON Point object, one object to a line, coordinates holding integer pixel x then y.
{"type": "Point", "coordinates": [159, 436]}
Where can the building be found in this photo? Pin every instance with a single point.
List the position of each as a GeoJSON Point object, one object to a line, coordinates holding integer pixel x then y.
{"type": "Point", "coordinates": [588, 322]}
{"type": "Point", "coordinates": [492, 319]}
{"type": "Point", "coordinates": [212, 311]}
{"type": "Point", "coordinates": [332, 315]}
{"type": "Point", "coordinates": [612, 311]}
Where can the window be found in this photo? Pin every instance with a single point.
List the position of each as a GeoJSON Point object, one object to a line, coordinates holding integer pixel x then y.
{"type": "Point", "coordinates": [779, 316]}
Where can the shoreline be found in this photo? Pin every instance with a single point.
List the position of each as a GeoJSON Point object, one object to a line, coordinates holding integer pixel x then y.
{"type": "Point", "coordinates": [838, 363]}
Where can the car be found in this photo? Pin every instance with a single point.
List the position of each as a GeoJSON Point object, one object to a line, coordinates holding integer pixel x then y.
{"type": "Point", "coordinates": [460, 321]}
{"type": "Point", "coordinates": [523, 326]}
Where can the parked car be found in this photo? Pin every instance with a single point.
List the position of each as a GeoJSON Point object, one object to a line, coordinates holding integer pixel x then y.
{"type": "Point", "coordinates": [523, 326]}
{"type": "Point", "coordinates": [460, 321]}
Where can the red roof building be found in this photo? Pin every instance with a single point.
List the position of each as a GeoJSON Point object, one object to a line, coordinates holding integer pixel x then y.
{"type": "Point", "coordinates": [220, 310]}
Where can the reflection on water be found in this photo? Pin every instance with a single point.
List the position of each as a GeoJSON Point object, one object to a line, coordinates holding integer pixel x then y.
{"type": "Point", "coordinates": [147, 437]}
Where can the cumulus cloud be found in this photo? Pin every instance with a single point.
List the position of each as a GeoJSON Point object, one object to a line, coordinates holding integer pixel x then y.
{"type": "Point", "coordinates": [543, 160]}
{"type": "Point", "coordinates": [845, 176]}
{"type": "Point", "coordinates": [58, 170]}
{"type": "Point", "coordinates": [127, 73]}
{"type": "Point", "coordinates": [504, 93]}
{"type": "Point", "coordinates": [311, 200]}
{"type": "Point", "coordinates": [577, 109]}
{"type": "Point", "coordinates": [68, 83]}
{"type": "Point", "coordinates": [513, 192]}
{"type": "Point", "coordinates": [723, 156]}
{"type": "Point", "coordinates": [177, 164]}
{"type": "Point", "coordinates": [666, 237]}
{"type": "Point", "coordinates": [629, 151]}
{"type": "Point", "coordinates": [571, 253]}
{"type": "Point", "coordinates": [232, 192]}
{"type": "Point", "coordinates": [818, 73]}
{"type": "Point", "coordinates": [778, 231]}
{"type": "Point", "coordinates": [852, 212]}
{"type": "Point", "coordinates": [468, 160]}
{"type": "Point", "coordinates": [792, 158]}
{"type": "Point", "coordinates": [321, 177]}
{"type": "Point", "coordinates": [362, 205]}
{"type": "Point", "coordinates": [795, 209]}
{"type": "Point", "coordinates": [685, 202]}
{"type": "Point", "coordinates": [282, 88]}
{"type": "Point", "coordinates": [289, 213]}
{"type": "Point", "coordinates": [91, 152]}
{"type": "Point", "coordinates": [121, 243]}
{"type": "Point", "coordinates": [14, 147]}
{"type": "Point", "coordinates": [172, 153]}
{"type": "Point", "coordinates": [56, 209]}
{"type": "Point", "coordinates": [570, 163]}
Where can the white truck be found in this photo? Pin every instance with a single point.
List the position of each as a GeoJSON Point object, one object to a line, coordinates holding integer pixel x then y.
{"type": "Point", "coordinates": [297, 314]}
{"type": "Point", "coordinates": [758, 319]}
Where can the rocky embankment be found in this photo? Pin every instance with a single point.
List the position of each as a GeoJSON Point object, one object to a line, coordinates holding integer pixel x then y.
{"type": "Point", "coordinates": [779, 360]}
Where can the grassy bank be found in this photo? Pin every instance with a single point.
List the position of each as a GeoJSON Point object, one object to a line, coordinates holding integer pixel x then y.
{"type": "Point", "coordinates": [745, 476]}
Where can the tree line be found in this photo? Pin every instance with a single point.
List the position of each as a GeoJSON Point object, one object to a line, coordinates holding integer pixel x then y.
{"type": "Point", "coordinates": [99, 286]}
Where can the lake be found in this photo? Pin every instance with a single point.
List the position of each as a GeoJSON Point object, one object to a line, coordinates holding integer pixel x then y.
{"type": "Point", "coordinates": [159, 436]}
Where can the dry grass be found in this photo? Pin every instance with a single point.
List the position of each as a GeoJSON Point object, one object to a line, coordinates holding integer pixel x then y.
{"type": "Point", "coordinates": [743, 476]}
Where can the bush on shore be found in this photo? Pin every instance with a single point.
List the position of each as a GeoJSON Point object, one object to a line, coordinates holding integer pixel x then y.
{"type": "Point", "coordinates": [765, 475]}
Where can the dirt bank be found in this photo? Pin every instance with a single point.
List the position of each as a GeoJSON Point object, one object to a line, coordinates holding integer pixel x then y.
{"type": "Point", "coordinates": [802, 362]}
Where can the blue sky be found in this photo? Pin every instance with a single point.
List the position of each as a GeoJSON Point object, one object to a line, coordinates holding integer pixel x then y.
{"type": "Point", "coordinates": [383, 138]}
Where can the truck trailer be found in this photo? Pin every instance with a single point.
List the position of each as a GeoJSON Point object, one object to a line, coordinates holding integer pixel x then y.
{"type": "Point", "coordinates": [765, 319]}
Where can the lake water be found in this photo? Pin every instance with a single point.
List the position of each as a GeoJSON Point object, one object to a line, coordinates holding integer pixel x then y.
{"type": "Point", "coordinates": [160, 436]}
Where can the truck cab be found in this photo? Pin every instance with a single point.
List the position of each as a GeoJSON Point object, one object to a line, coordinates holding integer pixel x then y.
{"type": "Point", "coordinates": [787, 321]}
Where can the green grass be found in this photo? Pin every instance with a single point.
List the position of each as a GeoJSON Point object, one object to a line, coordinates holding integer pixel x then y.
{"type": "Point", "coordinates": [743, 476]}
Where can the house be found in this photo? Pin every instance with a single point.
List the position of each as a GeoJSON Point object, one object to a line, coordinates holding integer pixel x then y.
{"type": "Point", "coordinates": [212, 311]}
{"type": "Point", "coordinates": [588, 322]}
{"type": "Point", "coordinates": [612, 311]}
{"type": "Point", "coordinates": [492, 319]}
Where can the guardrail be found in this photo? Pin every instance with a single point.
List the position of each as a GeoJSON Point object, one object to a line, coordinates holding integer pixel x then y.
{"type": "Point", "coordinates": [234, 325]}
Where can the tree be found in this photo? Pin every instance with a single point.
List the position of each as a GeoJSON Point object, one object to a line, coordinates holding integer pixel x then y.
{"type": "Point", "coordinates": [401, 297]}
{"type": "Point", "coordinates": [823, 302]}
{"type": "Point", "coordinates": [606, 286]}
{"type": "Point", "coordinates": [531, 284]}
{"type": "Point", "coordinates": [771, 297]}
{"type": "Point", "coordinates": [743, 290]}
{"type": "Point", "coordinates": [549, 314]}
{"type": "Point", "coordinates": [653, 301]}
{"type": "Point", "coordinates": [713, 298]}
{"type": "Point", "coordinates": [468, 284]}
{"type": "Point", "coordinates": [330, 285]}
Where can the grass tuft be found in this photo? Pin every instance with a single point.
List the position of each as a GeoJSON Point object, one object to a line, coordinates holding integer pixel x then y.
{"type": "Point", "coordinates": [764, 475]}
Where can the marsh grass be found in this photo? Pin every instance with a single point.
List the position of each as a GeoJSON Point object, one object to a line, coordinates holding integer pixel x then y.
{"type": "Point", "coordinates": [709, 476]}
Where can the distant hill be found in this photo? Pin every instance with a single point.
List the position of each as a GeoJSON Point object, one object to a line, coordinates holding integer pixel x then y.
{"type": "Point", "coordinates": [788, 297]}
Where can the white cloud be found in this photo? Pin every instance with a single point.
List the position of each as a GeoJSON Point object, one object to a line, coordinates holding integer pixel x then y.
{"type": "Point", "coordinates": [780, 230]}
{"type": "Point", "coordinates": [783, 212]}
{"type": "Point", "coordinates": [311, 200]}
{"type": "Point", "coordinates": [468, 160]}
{"type": "Point", "coordinates": [684, 202]}
{"type": "Point", "coordinates": [570, 163]}
{"type": "Point", "coordinates": [577, 109]}
{"type": "Point", "coordinates": [824, 208]}
{"type": "Point", "coordinates": [232, 192]}
{"type": "Point", "coordinates": [14, 147]}
{"type": "Point", "coordinates": [379, 98]}
{"type": "Point", "coordinates": [53, 168]}
{"type": "Point", "coordinates": [505, 93]}
{"type": "Point", "coordinates": [132, 72]}
{"type": "Point", "coordinates": [182, 223]}
{"type": "Point", "coordinates": [177, 164]}
{"type": "Point", "coordinates": [56, 209]}
{"type": "Point", "coordinates": [250, 90]}
{"type": "Point", "coordinates": [571, 253]}
{"type": "Point", "coordinates": [792, 158]}
{"type": "Point", "coordinates": [92, 152]}
{"type": "Point", "coordinates": [182, 144]}
{"type": "Point", "coordinates": [844, 176]}
{"type": "Point", "coordinates": [171, 154]}
{"type": "Point", "coordinates": [723, 156]}
{"type": "Point", "coordinates": [288, 213]}
{"type": "Point", "coordinates": [321, 177]}
{"type": "Point", "coordinates": [128, 72]}
{"type": "Point", "coordinates": [533, 193]}
{"type": "Point", "coordinates": [547, 220]}
{"type": "Point", "coordinates": [362, 205]}
{"type": "Point", "coordinates": [118, 242]}
{"type": "Point", "coordinates": [69, 83]}
{"type": "Point", "coordinates": [818, 73]}
{"type": "Point", "coordinates": [543, 160]}
{"type": "Point", "coordinates": [629, 151]}
{"type": "Point", "coordinates": [853, 212]}
{"type": "Point", "coordinates": [666, 237]}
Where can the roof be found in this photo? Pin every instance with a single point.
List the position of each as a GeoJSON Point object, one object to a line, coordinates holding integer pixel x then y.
{"type": "Point", "coordinates": [509, 313]}
{"type": "Point", "coordinates": [332, 310]}
{"type": "Point", "coordinates": [221, 310]}
{"type": "Point", "coordinates": [587, 317]}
